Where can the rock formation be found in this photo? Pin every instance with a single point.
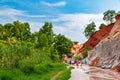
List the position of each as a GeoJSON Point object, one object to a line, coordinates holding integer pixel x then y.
{"type": "Point", "coordinates": [75, 48]}
{"type": "Point", "coordinates": [93, 40]}
{"type": "Point", "coordinates": [106, 53]}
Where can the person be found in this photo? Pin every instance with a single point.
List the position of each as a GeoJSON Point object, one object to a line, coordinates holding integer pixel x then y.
{"type": "Point", "coordinates": [70, 62]}
{"type": "Point", "coordinates": [77, 64]}
{"type": "Point", "coordinates": [80, 64]}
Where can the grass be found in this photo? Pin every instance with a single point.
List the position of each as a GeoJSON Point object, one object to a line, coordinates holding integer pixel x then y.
{"type": "Point", "coordinates": [65, 75]}
{"type": "Point", "coordinates": [39, 73]}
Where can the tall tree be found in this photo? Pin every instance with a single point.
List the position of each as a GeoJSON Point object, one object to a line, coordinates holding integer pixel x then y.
{"type": "Point", "coordinates": [47, 30]}
{"type": "Point", "coordinates": [109, 16]}
{"type": "Point", "coordinates": [22, 30]}
{"type": "Point", "coordinates": [90, 29]}
{"type": "Point", "coordinates": [62, 44]}
{"type": "Point", "coordinates": [42, 41]}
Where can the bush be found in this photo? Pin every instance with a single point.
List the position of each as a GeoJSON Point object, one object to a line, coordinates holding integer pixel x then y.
{"type": "Point", "coordinates": [47, 67]}
{"type": "Point", "coordinates": [85, 52]}
{"type": "Point", "coordinates": [5, 75]}
{"type": "Point", "coordinates": [65, 75]}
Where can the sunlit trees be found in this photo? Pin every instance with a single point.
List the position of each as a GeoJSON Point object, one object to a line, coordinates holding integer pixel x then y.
{"type": "Point", "coordinates": [102, 25]}
{"type": "Point", "coordinates": [90, 29]}
{"type": "Point", "coordinates": [62, 44]}
{"type": "Point", "coordinates": [47, 30]}
{"type": "Point", "coordinates": [109, 16]}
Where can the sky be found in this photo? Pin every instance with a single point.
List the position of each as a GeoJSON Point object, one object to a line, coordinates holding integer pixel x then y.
{"type": "Point", "coordinates": [69, 17]}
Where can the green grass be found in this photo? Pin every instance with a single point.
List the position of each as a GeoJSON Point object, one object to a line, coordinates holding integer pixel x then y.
{"type": "Point", "coordinates": [23, 62]}
{"type": "Point", "coordinates": [42, 71]}
{"type": "Point", "coordinates": [65, 75]}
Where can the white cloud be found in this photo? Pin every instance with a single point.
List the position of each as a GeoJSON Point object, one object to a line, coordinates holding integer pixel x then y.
{"type": "Point", "coordinates": [73, 25]}
{"type": "Point", "coordinates": [35, 26]}
{"type": "Point", "coordinates": [62, 3]}
{"type": "Point", "coordinates": [11, 11]}
{"type": "Point", "coordinates": [70, 25]}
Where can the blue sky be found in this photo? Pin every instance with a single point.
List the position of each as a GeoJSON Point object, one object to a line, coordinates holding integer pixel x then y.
{"type": "Point", "coordinates": [69, 17]}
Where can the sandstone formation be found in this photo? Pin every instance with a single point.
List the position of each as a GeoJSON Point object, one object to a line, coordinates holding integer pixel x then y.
{"type": "Point", "coordinates": [98, 36]}
{"type": "Point", "coordinates": [107, 52]}
{"type": "Point", "coordinates": [75, 48]}
{"type": "Point", "coordinates": [93, 40]}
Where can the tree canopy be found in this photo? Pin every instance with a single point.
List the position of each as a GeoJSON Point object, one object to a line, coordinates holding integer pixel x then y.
{"type": "Point", "coordinates": [102, 25]}
{"type": "Point", "coordinates": [62, 44]}
{"type": "Point", "coordinates": [109, 16]}
{"type": "Point", "coordinates": [90, 29]}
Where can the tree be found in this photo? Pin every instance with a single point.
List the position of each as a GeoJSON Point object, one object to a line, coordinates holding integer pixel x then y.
{"type": "Point", "coordinates": [109, 16]}
{"type": "Point", "coordinates": [102, 26]}
{"type": "Point", "coordinates": [47, 30]}
{"type": "Point", "coordinates": [62, 44]}
{"type": "Point", "coordinates": [1, 31]}
{"type": "Point", "coordinates": [89, 30]}
{"type": "Point", "coordinates": [42, 41]}
{"type": "Point", "coordinates": [85, 52]}
{"type": "Point", "coordinates": [22, 31]}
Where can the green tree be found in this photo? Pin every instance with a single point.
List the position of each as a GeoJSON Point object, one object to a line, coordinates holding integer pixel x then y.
{"type": "Point", "coordinates": [22, 31]}
{"type": "Point", "coordinates": [1, 31]}
{"type": "Point", "coordinates": [42, 41]}
{"type": "Point", "coordinates": [102, 26]}
{"type": "Point", "coordinates": [89, 30]}
{"type": "Point", "coordinates": [62, 44]}
{"type": "Point", "coordinates": [85, 52]}
{"type": "Point", "coordinates": [47, 30]}
{"type": "Point", "coordinates": [109, 16]}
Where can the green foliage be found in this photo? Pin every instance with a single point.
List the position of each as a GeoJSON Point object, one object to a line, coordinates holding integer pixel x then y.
{"type": "Point", "coordinates": [85, 52]}
{"type": "Point", "coordinates": [47, 67]}
{"type": "Point", "coordinates": [65, 75]}
{"type": "Point", "coordinates": [10, 55]}
{"type": "Point", "coordinates": [109, 16]}
{"type": "Point", "coordinates": [30, 56]}
{"type": "Point", "coordinates": [102, 26]}
{"type": "Point", "coordinates": [77, 57]}
{"type": "Point", "coordinates": [62, 44]}
{"type": "Point", "coordinates": [47, 30]}
{"type": "Point", "coordinates": [89, 30]}
{"type": "Point", "coordinates": [42, 71]}
{"type": "Point", "coordinates": [5, 75]}
{"type": "Point", "coordinates": [42, 41]}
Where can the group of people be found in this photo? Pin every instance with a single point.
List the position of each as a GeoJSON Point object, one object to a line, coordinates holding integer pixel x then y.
{"type": "Point", "coordinates": [77, 63]}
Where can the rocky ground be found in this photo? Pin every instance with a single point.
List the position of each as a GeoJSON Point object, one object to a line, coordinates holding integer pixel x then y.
{"type": "Point", "coordinates": [93, 73]}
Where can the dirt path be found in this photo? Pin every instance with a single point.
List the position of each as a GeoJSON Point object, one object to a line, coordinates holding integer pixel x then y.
{"type": "Point", "coordinates": [80, 73]}
{"type": "Point", "coordinates": [54, 77]}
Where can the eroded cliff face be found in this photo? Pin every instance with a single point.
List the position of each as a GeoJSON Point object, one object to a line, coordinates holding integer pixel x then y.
{"type": "Point", "coordinates": [93, 40]}
{"type": "Point", "coordinates": [107, 52]}
{"type": "Point", "coordinates": [75, 48]}
{"type": "Point", "coordinates": [98, 36]}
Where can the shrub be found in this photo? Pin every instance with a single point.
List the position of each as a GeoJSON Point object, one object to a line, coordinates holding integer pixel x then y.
{"type": "Point", "coordinates": [85, 52]}
{"type": "Point", "coordinates": [65, 75]}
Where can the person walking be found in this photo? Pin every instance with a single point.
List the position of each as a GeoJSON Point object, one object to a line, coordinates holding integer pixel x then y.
{"type": "Point", "coordinates": [77, 64]}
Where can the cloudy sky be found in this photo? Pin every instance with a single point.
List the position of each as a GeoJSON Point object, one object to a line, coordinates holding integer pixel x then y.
{"type": "Point", "coordinates": [69, 17]}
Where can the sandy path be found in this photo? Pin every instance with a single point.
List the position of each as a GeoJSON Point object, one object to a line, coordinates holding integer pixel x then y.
{"type": "Point", "coordinates": [80, 73]}
{"type": "Point", "coordinates": [93, 73]}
